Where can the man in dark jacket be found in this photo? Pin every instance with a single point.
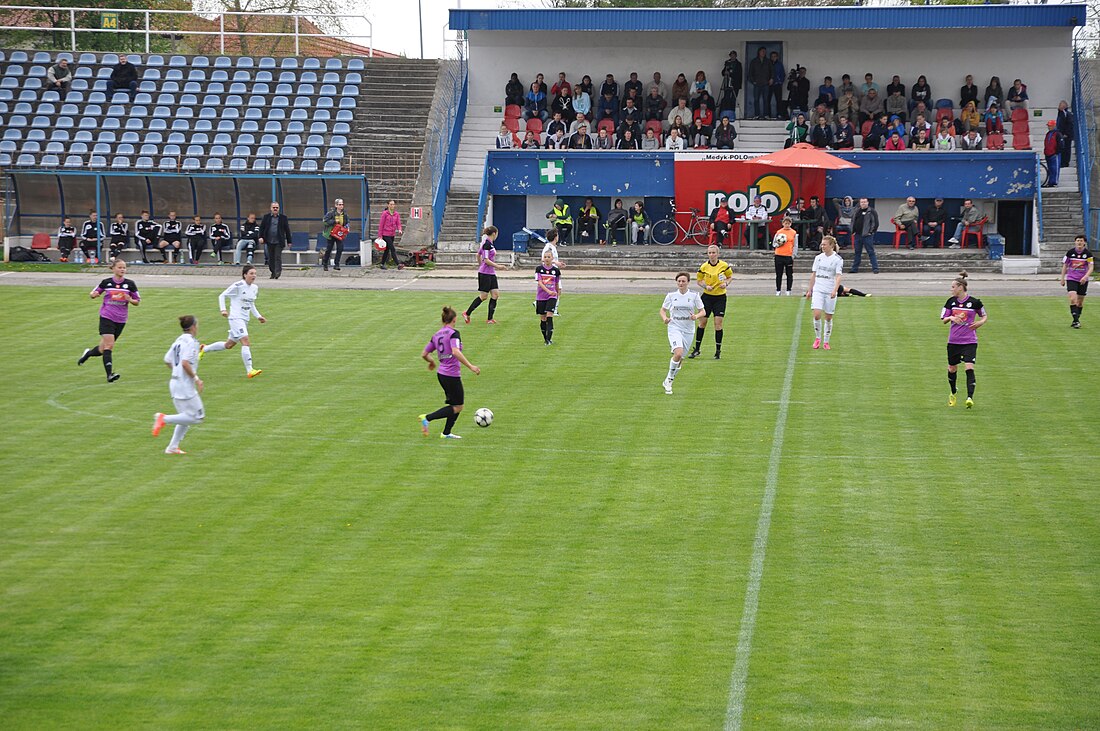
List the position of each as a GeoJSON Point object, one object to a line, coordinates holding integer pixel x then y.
{"type": "Point", "coordinates": [934, 223]}
{"type": "Point", "coordinates": [864, 228]}
{"type": "Point", "coordinates": [733, 74]}
{"type": "Point", "coordinates": [760, 76]}
{"type": "Point", "coordinates": [274, 236]}
{"type": "Point", "coordinates": [123, 78]}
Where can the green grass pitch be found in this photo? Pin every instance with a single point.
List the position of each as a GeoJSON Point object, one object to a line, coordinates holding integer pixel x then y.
{"type": "Point", "coordinates": [314, 562]}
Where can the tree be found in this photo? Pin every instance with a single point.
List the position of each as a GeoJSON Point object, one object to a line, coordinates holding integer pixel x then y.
{"type": "Point", "coordinates": [88, 41]}
{"type": "Point", "coordinates": [275, 16]}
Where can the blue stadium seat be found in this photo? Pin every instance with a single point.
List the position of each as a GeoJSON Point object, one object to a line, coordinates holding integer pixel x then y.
{"type": "Point", "coordinates": [189, 100]}
{"type": "Point", "coordinates": [254, 114]}
{"type": "Point", "coordinates": [315, 141]}
{"type": "Point", "coordinates": [306, 90]}
{"type": "Point", "coordinates": [10, 83]}
{"type": "Point", "coordinates": [86, 58]}
{"type": "Point", "coordinates": [196, 75]}
{"type": "Point", "coordinates": [170, 87]}
{"type": "Point", "coordinates": [211, 100]}
{"type": "Point", "coordinates": [241, 77]}
{"type": "Point", "coordinates": [273, 127]}
{"type": "Point", "coordinates": [6, 95]}
{"type": "Point", "coordinates": [245, 62]}
{"type": "Point", "coordinates": [328, 90]}
{"type": "Point", "coordinates": [335, 153]}
{"type": "Point", "coordinates": [250, 125]}
{"type": "Point", "coordinates": [17, 120]}
{"type": "Point", "coordinates": [25, 161]}
{"type": "Point", "coordinates": [325, 103]}
{"type": "Point", "coordinates": [334, 63]}
{"type": "Point", "coordinates": [78, 148]}
{"type": "Point", "coordinates": [318, 128]}
{"type": "Point", "coordinates": [222, 139]}
{"type": "Point", "coordinates": [308, 166]}
{"type": "Point", "coordinates": [260, 88]}
{"type": "Point", "coordinates": [331, 78]}
{"type": "Point", "coordinates": [353, 79]}
{"type": "Point", "coordinates": [93, 110]}
{"type": "Point", "coordinates": [46, 108]}
{"type": "Point", "coordinates": [83, 136]}
{"type": "Point", "coordinates": [234, 100]}
{"type": "Point", "coordinates": [284, 89]}
{"type": "Point", "coordinates": [150, 75]}
{"type": "Point", "coordinates": [101, 148]}
{"type": "Point", "coordinates": [242, 151]}
{"type": "Point", "coordinates": [135, 124]}
{"type": "Point", "coordinates": [283, 166]}
{"type": "Point", "coordinates": [155, 60]}
{"type": "Point", "coordinates": [215, 88]}
{"type": "Point", "coordinates": [38, 135]}
{"type": "Point", "coordinates": [97, 161]}
{"type": "Point", "coordinates": [51, 96]}
{"type": "Point", "coordinates": [130, 138]}
{"type": "Point", "coordinates": [14, 71]}
{"type": "Point", "coordinates": [179, 61]}
{"type": "Point", "coordinates": [299, 115]}
{"type": "Point", "coordinates": [23, 108]}
{"type": "Point", "coordinates": [347, 102]}
{"type": "Point", "coordinates": [295, 128]}
{"type": "Point", "coordinates": [55, 148]}
{"type": "Point", "coordinates": [31, 147]}
{"type": "Point", "coordinates": [191, 164]}
{"type": "Point", "coordinates": [200, 138]}
{"type": "Point", "coordinates": [109, 59]}
{"type": "Point", "coordinates": [124, 149]}
{"type": "Point", "coordinates": [215, 164]}
{"type": "Point", "coordinates": [349, 90]}
{"type": "Point", "coordinates": [28, 95]}
{"type": "Point", "coordinates": [288, 152]}
{"type": "Point", "coordinates": [41, 57]}
{"type": "Point", "coordinates": [173, 75]}
{"type": "Point", "coordinates": [74, 161]}
{"type": "Point", "coordinates": [261, 165]}
{"type": "Point", "coordinates": [97, 97]}
{"type": "Point", "coordinates": [267, 63]}
{"type": "Point", "coordinates": [278, 114]}
{"type": "Point", "coordinates": [257, 101]}
{"type": "Point", "coordinates": [223, 62]}
{"type": "Point", "coordinates": [219, 151]}
{"type": "Point", "coordinates": [204, 125]}
{"type": "Point", "coordinates": [5, 159]}
{"type": "Point", "coordinates": [120, 97]}
{"type": "Point", "coordinates": [87, 123]}
{"type": "Point", "coordinates": [322, 115]}
{"type": "Point", "coordinates": [292, 139]}
{"type": "Point", "coordinates": [184, 113]}
{"type": "Point", "coordinates": [312, 152]}
{"type": "Point", "coordinates": [37, 72]}
{"type": "Point", "coordinates": [120, 162]}
{"type": "Point", "coordinates": [8, 146]}
{"type": "Point", "coordinates": [238, 164]}
{"type": "Point", "coordinates": [176, 138]}
{"type": "Point", "coordinates": [167, 163]}
{"type": "Point", "coordinates": [74, 97]}
{"type": "Point", "coordinates": [61, 135]}
{"type": "Point", "coordinates": [280, 101]}
{"type": "Point", "coordinates": [265, 151]}
{"type": "Point", "coordinates": [355, 64]}
{"type": "Point", "coordinates": [116, 110]}
{"type": "Point", "coordinates": [338, 141]}
{"type": "Point", "coordinates": [263, 77]}
{"type": "Point", "coordinates": [103, 73]}
{"type": "Point", "coordinates": [100, 85]}
{"type": "Point", "coordinates": [200, 62]}
{"type": "Point", "coordinates": [154, 138]}
{"type": "Point", "coordinates": [227, 125]}
{"type": "Point", "coordinates": [50, 161]}
{"type": "Point", "coordinates": [162, 112]}
{"type": "Point", "coordinates": [311, 63]}
{"type": "Point", "coordinates": [307, 77]}
{"type": "Point", "coordinates": [219, 76]}
{"type": "Point", "coordinates": [302, 102]}
{"type": "Point", "coordinates": [148, 149]}
{"type": "Point", "coordinates": [246, 139]}
{"type": "Point", "coordinates": [333, 166]}
{"type": "Point", "coordinates": [289, 63]}
{"type": "Point", "coordinates": [145, 162]}
{"type": "Point", "coordinates": [181, 125]}
{"type": "Point", "coordinates": [144, 99]}
{"type": "Point", "coordinates": [288, 77]}
{"type": "Point", "coordinates": [138, 110]}
{"type": "Point", "coordinates": [269, 139]}
{"type": "Point", "coordinates": [111, 123]}
{"type": "Point", "coordinates": [344, 115]}
{"type": "Point", "coordinates": [196, 150]}
{"type": "Point", "coordinates": [135, 59]}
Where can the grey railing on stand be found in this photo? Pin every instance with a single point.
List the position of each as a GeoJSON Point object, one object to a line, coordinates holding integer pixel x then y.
{"type": "Point", "coordinates": [445, 129]}
{"type": "Point", "coordinates": [1083, 130]}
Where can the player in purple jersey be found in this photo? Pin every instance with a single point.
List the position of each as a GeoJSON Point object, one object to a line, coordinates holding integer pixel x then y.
{"type": "Point", "coordinates": [447, 347]}
{"type": "Point", "coordinates": [965, 314]}
{"type": "Point", "coordinates": [118, 294]}
{"type": "Point", "coordinates": [487, 266]}
{"type": "Point", "coordinates": [1076, 270]}
{"type": "Point", "coordinates": [547, 289]}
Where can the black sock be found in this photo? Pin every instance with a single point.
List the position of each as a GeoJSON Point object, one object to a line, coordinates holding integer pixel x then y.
{"type": "Point", "coordinates": [443, 413]}
{"type": "Point", "coordinates": [549, 328]}
{"type": "Point", "coordinates": [492, 307]}
{"type": "Point", "coordinates": [970, 384]}
{"type": "Point", "coordinates": [856, 293]}
{"type": "Point", "coordinates": [717, 341]}
{"type": "Point", "coordinates": [952, 378]}
{"type": "Point", "coordinates": [450, 423]}
{"type": "Point", "coordinates": [473, 305]}
{"type": "Point", "coordinates": [107, 362]}
{"type": "Point", "coordinates": [1075, 310]}
{"type": "Point", "coordinates": [93, 353]}
{"type": "Point", "coordinates": [699, 337]}
{"type": "Point", "coordinates": [542, 327]}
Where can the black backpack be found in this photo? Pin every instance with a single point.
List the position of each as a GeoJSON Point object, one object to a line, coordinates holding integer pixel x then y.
{"type": "Point", "coordinates": [22, 253]}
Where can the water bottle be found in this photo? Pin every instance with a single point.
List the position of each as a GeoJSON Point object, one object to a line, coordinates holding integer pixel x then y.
{"type": "Point", "coordinates": [78, 257]}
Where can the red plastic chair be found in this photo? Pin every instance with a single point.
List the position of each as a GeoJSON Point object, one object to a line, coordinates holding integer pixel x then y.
{"type": "Point", "coordinates": [534, 124]}
{"type": "Point", "coordinates": [1021, 140]}
{"type": "Point", "coordinates": [512, 111]}
{"type": "Point", "coordinates": [974, 229]}
{"type": "Point", "coordinates": [866, 128]}
{"type": "Point", "coordinates": [944, 113]}
{"type": "Point", "coordinates": [899, 233]}
{"type": "Point", "coordinates": [654, 125]}
{"type": "Point", "coordinates": [516, 142]}
{"type": "Point", "coordinates": [512, 123]}
{"type": "Point", "coordinates": [1019, 115]}
{"type": "Point", "coordinates": [606, 123]}
{"type": "Point", "coordinates": [995, 141]}
{"type": "Point", "coordinates": [942, 235]}
{"type": "Point", "coordinates": [40, 241]}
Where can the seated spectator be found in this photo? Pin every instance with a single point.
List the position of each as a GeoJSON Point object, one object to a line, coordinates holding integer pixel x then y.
{"type": "Point", "coordinates": [796, 209]}
{"type": "Point", "coordinates": [705, 115]}
{"type": "Point", "coordinates": [845, 136]}
{"type": "Point", "coordinates": [720, 220]}
{"type": "Point", "coordinates": [876, 135]}
{"type": "Point", "coordinates": [848, 105]}
{"type": "Point", "coordinates": [146, 233]}
{"type": "Point", "coordinates": [196, 239]}
{"type": "Point", "coordinates": [633, 84]}
{"type": "Point", "coordinates": [945, 137]}
{"type": "Point", "coordinates": [906, 218]}
{"type": "Point", "coordinates": [617, 221]}
{"type": "Point", "coordinates": [603, 140]}
{"type": "Point", "coordinates": [724, 134]}
{"type": "Point", "coordinates": [969, 117]}
{"type": "Point", "coordinates": [504, 138]}
{"type": "Point", "coordinates": [578, 122]}
{"type": "Point", "coordinates": [797, 130]}
{"type": "Point", "coordinates": [662, 87]}
{"type": "Point", "coordinates": [588, 220]}
{"type": "Point", "coordinates": [513, 91]}
{"type": "Point", "coordinates": [968, 93]}
{"type": "Point", "coordinates": [821, 111]}
{"type": "Point", "coordinates": [921, 92]}
{"type": "Point", "coordinates": [541, 84]}
{"type": "Point", "coordinates": [563, 103]}
{"type": "Point", "coordinates": [650, 141]}
{"type": "Point", "coordinates": [608, 108]}
{"type": "Point", "coordinates": [59, 78]}
{"type": "Point", "coordinates": [580, 140]}
{"type": "Point", "coordinates": [871, 106]}
{"type": "Point", "coordinates": [681, 89]}
{"type": "Point", "coordinates": [993, 119]}
{"type": "Point", "coordinates": [534, 103]}
{"type": "Point", "coordinates": [701, 99]}
{"type": "Point", "coordinates": [867, 85]}
{"type": "Point", "coordinates": [562, 87]}
{"type": "Point", "coordinates": [557, 141]}
{"type": "Point", "coordinates": [557, 123]}
{"type": "Point", "coordinates": [756, 212]}
{"type": "Point", "coordinates": [969, 215]}
{"type": "Point", "coordinates": [845, 212]}
{"type": "Point", "coordinates": [628, 141]}
{"type": "Point", "coordinates": [675, 140]}
{"type": "Point", "coordinates": [1017, 95]}
{"type": "Point", "coordinates": [610, 86]}
{"type": "Point", "coordinates": [639, 224]}
{"type": "Point", "coordinates": [895, 85]}
{"type": "Point", "coordinates": [681, 110]}
{"type": "Point", "coordinates": [630, 109]}
{"type": "Point", "coordinates": [654, 106]}
{"type": "Point", "coordinates": [630, 124]}
{"type": "Point", "coordinates": [582, 103]}
{"type": "Point", "coordinates": [921, 140]}
{"type": "Point", "coordinates": [921, 123]}
{"type": "Point", "coordinates": [896, 104]}
{"type": "Point", "coordinates": [700, 85]}
{"type": "Point", "coordinates": [993, 92]}
{"type": "Point", "coordinates": [971, 140]}
{"type": "Point", "coordinates": [826, 94]}
{"type": "Point", "coordinates": [895, 123]}
{"type": "Point", "coordinates": [123, 78]}
{"type": "Point", "coordinates": [700, 135]}
{"type": "Point", "coordinates": [821, 136]}
{"type": "Point", "coordinates": [921, 110]}
{"type": "Point", "coordinates": [845, 86]}
{"type": "Point", "coordinates": [895, 142]}
{"type": "Point", "coordinates": [120, 236]}
{"type": "Point", "coordinates": [798, 90]}
{"type": "Point", "coordinates": [934, 222]}
{"type": "Point", "coordinates": [817, 223]}
{"type": "Point", "coordinates": [171, 233]}
{"type": "Point", "coordinates": [530, 141]}
{"type": "Point", "coordinates": [679, 126]}
{"type": "Point", "coordinates": [585, 86]}
{"type": "Point", "coordinates": [220, 237]}
{"type": "Point", "coordinates": [632, 94]}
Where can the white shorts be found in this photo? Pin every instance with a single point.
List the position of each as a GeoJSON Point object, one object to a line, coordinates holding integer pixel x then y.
{"type": "Point", "coordinates": [677, 338]}
{"type": "Point", "coordinates": [822, 301]}
{"type": "Point", "coordinates": [191, 407]}
{"type": "Point", "coordinates": [238, 329]}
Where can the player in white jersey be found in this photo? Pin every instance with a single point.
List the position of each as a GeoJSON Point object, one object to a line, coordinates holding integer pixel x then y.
{"type": "Point", "coordinates": [824, 283]}
{"type": "Point", "coordinates": [679, 312]}
{"type": "Point", "coordinates": [185, 386]}
{"type": "Point", "coordinates": [242, 305]}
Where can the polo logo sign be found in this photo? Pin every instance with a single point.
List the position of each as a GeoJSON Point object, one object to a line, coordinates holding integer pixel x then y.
{"type": "Point", "coordinates": [551, 171]}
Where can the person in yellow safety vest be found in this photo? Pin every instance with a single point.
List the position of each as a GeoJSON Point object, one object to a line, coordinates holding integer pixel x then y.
{"type": "Point", "coordinates": [563, 221]}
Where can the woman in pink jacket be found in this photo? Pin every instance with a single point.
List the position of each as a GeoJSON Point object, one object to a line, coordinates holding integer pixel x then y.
{"type": "Point", "coordinates": [388, 226]}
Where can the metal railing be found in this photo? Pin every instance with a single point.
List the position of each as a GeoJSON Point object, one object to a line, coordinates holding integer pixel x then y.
{"type": "Point", "coordinates": [150, 31]}
{"type": "Point", "coordinates": [445, 130]}
{"type": "Point", "coordinates": [1084, 130]}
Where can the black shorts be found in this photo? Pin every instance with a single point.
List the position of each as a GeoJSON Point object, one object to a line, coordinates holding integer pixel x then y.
{"type": "Point", "coordinates": [1081, 288]}
{"type": "Point", "coordinates": [452, 389]}
{"type": "Point", "coordinates": [714, 304]}
{"type": "Point", "coordinates": [543, 307]}
{"type": "Point", "coordinates": [486, 282]}
{"type": "Point", "coordinates": [108, 326]}
{"type": "Point", "coordinates": [172, 239]}
{"type": "Point", "coordinates": [961, 353]}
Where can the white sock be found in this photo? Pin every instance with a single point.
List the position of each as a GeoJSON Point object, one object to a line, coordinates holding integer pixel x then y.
{"type": "Point", "coordinates": [673, 367]}
{"type": "Point", "coordinates": [180, 419]}
{"type": "Point", "coordinates": [212, 347]}
{"type": "Point", "coordinates": [817, 328]}
{"type": "Point", "coordinates": [177, 434]}
{"type": "Point", "coordinates": [246, 356]}
{"type": "Point", "coordinates": [828, 329]}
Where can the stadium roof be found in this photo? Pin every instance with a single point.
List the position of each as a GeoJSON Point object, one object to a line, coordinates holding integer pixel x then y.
{"type": "Point", "coordinates": [771, 19]}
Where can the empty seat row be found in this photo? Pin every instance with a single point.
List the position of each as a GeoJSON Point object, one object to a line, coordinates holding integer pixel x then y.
{"type": "Point", "coordinates": [161, 124]}
{"type": "Point", "coordinates": [12, 138]}
{"type": "Point", "coordinates": [220, 62]}
{"type": "Point", "coordinates": [213, 164]}
{"type": "Point", "coordinates": [34, 147]}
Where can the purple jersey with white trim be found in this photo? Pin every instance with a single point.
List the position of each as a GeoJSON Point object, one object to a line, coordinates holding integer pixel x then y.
{"type": "Point", "coordinates": [487, 251]}
{"type": "Point", "coordinates": [115, 307]}
{"type": "Point", "coordinates": [1077, 263]}
{"type": "Point", "coordinates": [445, 343]}
{"type": "Point", "coordinates": [971, 309]}
{"type": "Point", "coordinates": [550, 278]}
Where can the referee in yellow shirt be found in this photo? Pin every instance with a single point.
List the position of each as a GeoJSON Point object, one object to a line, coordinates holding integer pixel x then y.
{"type": "Point", "coordinates": [713, 276]}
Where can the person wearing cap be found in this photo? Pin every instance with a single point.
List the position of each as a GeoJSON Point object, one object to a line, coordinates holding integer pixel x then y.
{"type": "Point", "coordinates": [758, 213]}
{"type": "Point", "coordinates": [1052, 151]}
{"type": "Point", "coordinates": [562, 219]}
{"type": "Point", "coordinates": [389, 225]}
{"type": "Point", "coordinates": [335, 217]}
{"type": "Point", "coordinates": [934, 221]}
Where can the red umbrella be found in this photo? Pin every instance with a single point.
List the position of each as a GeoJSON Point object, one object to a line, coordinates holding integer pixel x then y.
{"type": "Point", "coordinates": [804, 155]}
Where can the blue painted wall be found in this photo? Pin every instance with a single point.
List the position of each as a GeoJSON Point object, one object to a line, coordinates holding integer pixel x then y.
{"type": "Point", "coordinates": [637, 174]}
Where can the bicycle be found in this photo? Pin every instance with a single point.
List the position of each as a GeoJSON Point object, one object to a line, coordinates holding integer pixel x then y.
{"type": "Point", "coordinates": [665, 231]}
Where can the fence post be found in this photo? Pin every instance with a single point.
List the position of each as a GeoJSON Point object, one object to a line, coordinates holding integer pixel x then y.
{"type": "Point", "coordinates": [72, 28]}
{"type": "Point", "coordinates": [147, 32]}
{"type": "Point", "coordinates": [296, 53]}
{"type": "Point", "coordinates": [221, 31]}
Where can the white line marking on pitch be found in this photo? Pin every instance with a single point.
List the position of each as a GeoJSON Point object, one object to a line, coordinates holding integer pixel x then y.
{"type": "Point", "coordinates": [406, 284]}
{"type": "Point", "coordinates": [735, 706]}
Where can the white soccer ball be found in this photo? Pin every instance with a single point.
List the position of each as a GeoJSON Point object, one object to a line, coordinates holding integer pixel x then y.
{"type": "Point", "coordinates": [483, 417]}
{"type": "Point", "coordinates": [779, 240]}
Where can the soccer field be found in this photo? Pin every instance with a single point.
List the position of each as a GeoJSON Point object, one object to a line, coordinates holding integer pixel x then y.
{"type": "Point", "coordinates": [818, 525]}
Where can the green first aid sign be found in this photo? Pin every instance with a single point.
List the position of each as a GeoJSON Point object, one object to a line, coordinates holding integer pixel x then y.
{"type": "Point", "coordinates": [551, 171]}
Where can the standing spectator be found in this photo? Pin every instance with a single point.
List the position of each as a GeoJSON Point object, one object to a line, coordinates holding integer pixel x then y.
{"type": "Point", "coordinates": [589, 221]}
{"type": "Point", "coordinates": [274, 236]}
{"type": "Point", "coordinates": [654, 105]}
{"type": "Point", "coordinates": [221, 238]}
{"type": "Point", "coordinates": [662, 87]}
{"type": "Point", "coordinates": [822, 134]}
{"type": "Point", "coordinates": [120, 236]}
{"type": "Point", "coordinates": [724, 134]}
{"type": "Point", "coordinates": [993, 92]}
{"type": "Point", "coordinates": [870, 107]}
{"type": "Point", "coordinates": [968, 92]}
{"type": "Point", "coordinates": [123, 78]}
{"type": "Point", "coordinates": [934, 222]}
{"type": "Point", "coordinates": [580, 140]}
{"type": "Point", "coordinates": [562, 87]}
{"type": "Point", "coordinates": [971, 140]}
{"type": "Point", "coordinates": [504, 138]}
{"type": "Point", "coordinates": [633, 84]}
{"type": "Point", "coordinates": [534, 104]}
{"type": "Point", "coordinates": [639, 224]}
{"type": "Point", "coordinates": [196, 239]}
{"type": "Point", "coordinates": [700, 85]}
{"type": "Point", "coordinates": [1017, 95]}
{"type": "Point", "coordinates": [146, 234]}
{"type": "Point", "coordinates": [845, 137]}
{"type": "Point", "coordinates": [797, 130]}
{"type": "Point", "coordinates": [921, 92]}
{"type": "Point", "coordinates": [681, 89]}
{"type": "Point", "coordinates": [798, 90]}
{"type": "Point", "coordinates": [513, 91]}
{"type": "Point", "coordinates": [171, 238]}
{"type": "Point", "coordinates": [59, 78]}
{"type": "Point", "coordinates": [775, 87]}
{"type": "Point", "coordinates": [248, 239]}
{"type": "Point", "coordinates": [906, 218]}
{"type": "Point", "coordinates": [650, 141]}
{"type": "Point", "coordinates": [969, 214]}
{"type": "Point", "coordinates": [864, 228]}
{"type": "Point", "coordinates": [582, 103]}
{"type": "Point", "coordinates": [675, 141]}
{"type": "Point", "coordinates": [1065, 127]}
{"type": "Point", "coordinates": [760, 76]}
{"type": "Point", "coordinates": [845, 213]}
{"type": "Point", "coordinates": [784, 250]}
{"type": "Point", "coordinates": [826, 94]}
{"type": "Point", "coordinates": [945, 137]}
{"type": "Point", "coordinates": [91, 233]}
{"type": "Point", "coordinates": [337, 216]}
{"type": "Point", "coordinates": [389, 226]}
{"type": "Point", "coordinates": [1052, 151]}
{"type": "Point", "coordinates": [733, 75]}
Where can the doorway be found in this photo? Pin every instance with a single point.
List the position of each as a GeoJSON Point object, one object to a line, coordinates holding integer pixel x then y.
{"type": "Point", "coordinates": [768, 108]}
{"type": "Point", "coordinates": [1014, 224]}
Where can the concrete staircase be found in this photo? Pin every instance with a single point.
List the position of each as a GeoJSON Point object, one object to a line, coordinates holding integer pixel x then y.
{"type": "Point", "coordinates": [1062, 220]}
